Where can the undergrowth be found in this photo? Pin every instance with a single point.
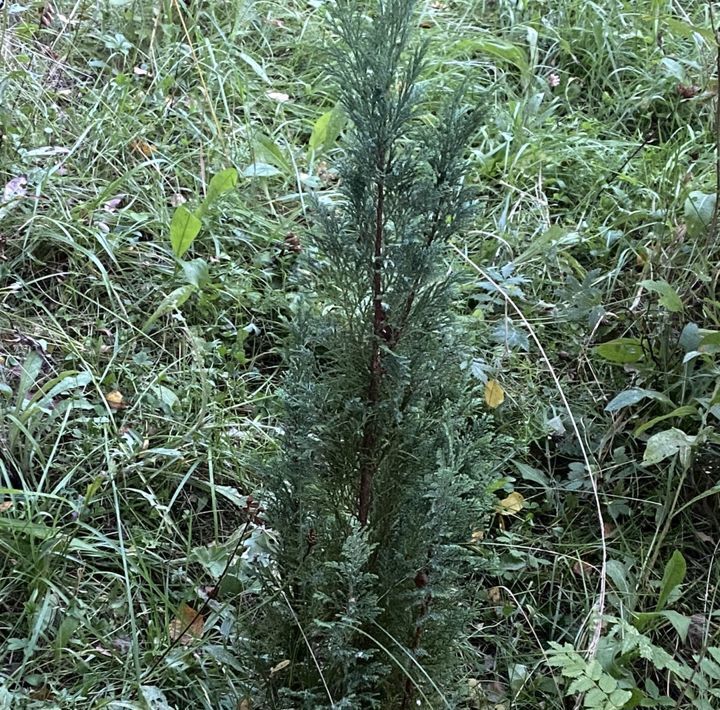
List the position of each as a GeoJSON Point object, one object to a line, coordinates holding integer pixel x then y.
{"type": "Point", "coordinates": [138, 374]}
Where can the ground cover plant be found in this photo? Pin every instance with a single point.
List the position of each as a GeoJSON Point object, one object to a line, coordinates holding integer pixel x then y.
{"type": "Point", "coordinates": [163, 166]}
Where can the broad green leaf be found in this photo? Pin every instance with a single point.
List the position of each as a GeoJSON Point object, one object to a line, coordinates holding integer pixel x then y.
{"type": "Point", "coordinates": [62, 383]}
{"type": "Point", "coordinates": [326, 130]}
{"type": "Point", "coordinates": [28, 375]}
{"type": "Point", "coordinates": [620, 697]}
{"type": "Point", "coordinates": [672, 577]}
{"type": "Point", "coordinates": [618, 575]}
{"type": "Point", "coordinates": [66, 381]}
{"type": "Point", "coordinates": [690, 337]}
{"type": "Point", "coordinates": [641, 619]}
{"type": "Point", "coordinates": [710, 340]}
{"type": "Point", "coordinates": [529, 473]}
{"type": "Point", "coordinates": [607, 683]}
{"type": "Point", "coordinates": [632, 396]}
{"type": "Point", "coordinates": [173, 300]}
{"type": "Point", "coordinates": [166, 396]}
{"type": "Point", "coordinates": [501, 49]}
{"type": "Point", "coordinates": [260, 170]}
{"type": "Point", "coordinates": [699, 210]}
{"type": "Point", "coordinates": [680, 622]}
{"type": "Point", "coordinates": [223, 182]}
{"type": "Point", "coordinates": [184, 227]}
{"type": "Point", "coordinates": [620, 350]}
{"type": "Point", "coordinates": [687, 30]}
{"type": "Point", "coordinates": [510, 336]}
{"type": "Point", "coordinates": [196, 272]}
{"type": "Point", "coordinates": [254, 66]}
{"type": "Point", "coordinates": [668, 295]}
{"type": "Point", "coordinates": [581, 685]}
{"type": "Point", "coordinates": [266, 150]}
{"type": "Point", "coordinates": [667, 443]}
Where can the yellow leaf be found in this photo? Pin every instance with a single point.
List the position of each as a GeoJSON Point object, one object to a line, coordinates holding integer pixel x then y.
{"type": "Point", "coordinates": [494, 394]}
{"type": "Point", "coordinates": [114, 399]}
{"type": "Point", "coordinates": [187, 625]}
{"type": "Point", "coordinates": [511, 505]}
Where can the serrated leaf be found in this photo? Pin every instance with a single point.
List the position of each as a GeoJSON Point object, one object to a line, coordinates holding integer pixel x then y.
{"type": "Point", "coordinates": [672, 577]}
{"type": "Point", "coordinates": [620, 351]}
{"type": "Point", "coordinates": [494, 394]}
{"type": "Point", "coordinates": [184, 227]}
{"type": "Point", "coordinates": [620, 697]}
{"type": "Point", "coordinates": [511, 337]}
{"type": "Point", "coordinates": [668, 295]}
{"type": "Point", "coordinates": [607, 683]}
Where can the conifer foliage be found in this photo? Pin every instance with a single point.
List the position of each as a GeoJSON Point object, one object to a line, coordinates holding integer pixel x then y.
{"type": "Point", "coordinates": [384, 465]}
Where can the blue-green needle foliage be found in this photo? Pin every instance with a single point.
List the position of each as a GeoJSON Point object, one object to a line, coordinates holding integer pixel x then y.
{"type": "Point", "coordinates": [385, 461]}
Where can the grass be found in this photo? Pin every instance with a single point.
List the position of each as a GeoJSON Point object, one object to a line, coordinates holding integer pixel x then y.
{"type": "Point", "coordinates": [115, 113]}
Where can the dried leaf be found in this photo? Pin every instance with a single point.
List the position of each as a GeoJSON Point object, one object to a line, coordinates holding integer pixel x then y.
{"type": "Point", "coordinates": [4, 507]}
{"type": "Point", "coordinates": [494, 394]}
{"type": "Point", "coordinates": [283, 664]}
{"type": "Point", "coordinates": [47, 14]}
{"type": "Point", "coordinates": [278, 96]}
{"type": "Point", "coordinates": [494, 594]}
{"type": "Point", "coordinates": [188, 625]}
{"type": "Point", "coordinates": [143, 147]}
{"type": "Point", "coordinates": [477, 536]}
{"type": "Point", "coordinates": [582, 568]}
{"type": "Point", "coordinates": [511, 505]}
{"type": "Point", "coordinates": [115, 399]}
